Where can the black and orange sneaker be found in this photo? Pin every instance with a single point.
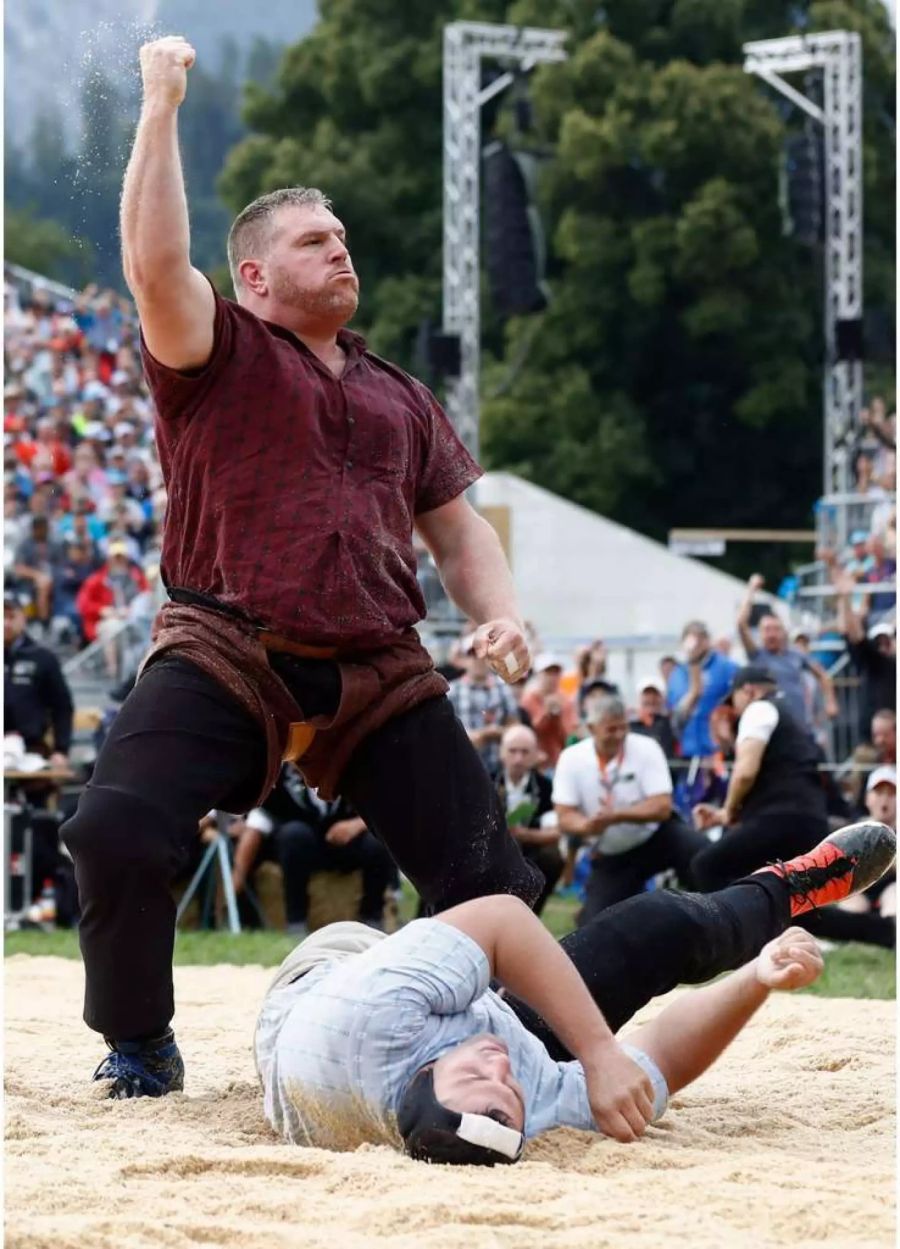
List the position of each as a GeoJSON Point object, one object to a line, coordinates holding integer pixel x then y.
{"type": "Point", "coordinates": [845, 862]}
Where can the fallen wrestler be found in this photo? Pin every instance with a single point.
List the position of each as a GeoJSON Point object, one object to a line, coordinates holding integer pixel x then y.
{"type": "Point", "coordinates": [401, 1039]}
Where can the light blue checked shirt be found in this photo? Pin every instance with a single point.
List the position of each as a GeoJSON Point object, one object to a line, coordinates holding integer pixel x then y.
{"type": "Point", "coordinates": [342, 1043]}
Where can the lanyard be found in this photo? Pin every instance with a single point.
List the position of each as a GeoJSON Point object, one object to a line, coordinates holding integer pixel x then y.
{"type": "Point", "coordinates": [608, 784]}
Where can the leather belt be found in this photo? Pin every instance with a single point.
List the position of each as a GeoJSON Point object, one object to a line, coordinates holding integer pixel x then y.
{"type": "Point", "coordinates": [275, 642]}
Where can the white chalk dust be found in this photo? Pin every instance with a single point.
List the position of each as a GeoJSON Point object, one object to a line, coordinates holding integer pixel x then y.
{"type": "Point", "coordinates": [789, 1141]}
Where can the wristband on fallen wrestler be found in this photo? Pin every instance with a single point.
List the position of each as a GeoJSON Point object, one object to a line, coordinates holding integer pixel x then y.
{"type": "Point", "coordinates": [433, 1133]}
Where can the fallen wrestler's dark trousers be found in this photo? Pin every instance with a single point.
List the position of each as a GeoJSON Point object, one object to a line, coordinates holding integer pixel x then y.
{"type": "Point", "coordinates": [643, 947]}
{"type": "Point", "coordinates": [181, 746]}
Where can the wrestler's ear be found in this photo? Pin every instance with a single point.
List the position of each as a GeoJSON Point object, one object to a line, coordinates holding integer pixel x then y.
{"type": "Point", "coordinates": [253, 277]}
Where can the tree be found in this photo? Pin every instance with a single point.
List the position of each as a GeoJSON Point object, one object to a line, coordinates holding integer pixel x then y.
{"type": "Point", "coordinates": [45, 247]}
{"type": "Point", "coordinates": [675, 377]}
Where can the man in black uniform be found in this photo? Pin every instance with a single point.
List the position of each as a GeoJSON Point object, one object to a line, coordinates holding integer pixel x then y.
{"type": "Point", "coordinates": [775, 805]}
{"type": "Point", "coordinates": [306, 834]}
{"type": "Point", "coordinates": [37, 704]}
{"type": "Point", "coordinates": [36, 698]}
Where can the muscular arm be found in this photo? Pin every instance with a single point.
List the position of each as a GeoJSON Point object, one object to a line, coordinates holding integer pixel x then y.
{"type": "Point", "coordinates": [175, 301]}
{"type": "Point", "coordinates": [471, 562]}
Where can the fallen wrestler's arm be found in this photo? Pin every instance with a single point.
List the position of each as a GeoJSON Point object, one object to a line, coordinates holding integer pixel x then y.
{"type": "Point", "coordinates": [687, 1037]}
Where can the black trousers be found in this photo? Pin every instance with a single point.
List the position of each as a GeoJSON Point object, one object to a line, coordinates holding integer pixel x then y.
{"type": "Point", "coordinates": [754, 842]}
{"type": "Point", "coordinates": [643, 947]}
{"type": "Point", "coordinates": [181, 745]}
{"type": "Point", "coordinates": [614, 877]}
{"type": "Point", "coordinates": [301, 850]}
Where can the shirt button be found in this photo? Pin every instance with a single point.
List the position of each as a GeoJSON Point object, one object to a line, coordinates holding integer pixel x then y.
{"type": "Point", "coordinates": [349, 464]}
{"type": "Point", "coordinates": [351, 420]}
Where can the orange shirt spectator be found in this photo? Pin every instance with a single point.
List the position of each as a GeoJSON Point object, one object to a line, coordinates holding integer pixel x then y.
{"type": "Point", "coordinates": [554, 715]}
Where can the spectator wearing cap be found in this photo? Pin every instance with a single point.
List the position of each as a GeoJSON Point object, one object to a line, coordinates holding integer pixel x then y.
{"type": "Point", "coordinates": [869, 917]}
{"type": "Point", "coordinates": [553, 714]}
{"type": "Point", "coordinates": [873, 653]}
{"type": "Point", "coordinates": [652, 716]}
{"type": "Point", "coordinates": [775, 806]}
{"type": "Point", "coordinates": [483, 703]}
{"type": "Point", "coordinates": [696, 686]}
{"type": "Point", "coordinates": [105, 599]}
{"type": "Point", "coordinates": [527, 797]}
{"type": "Point", "coordinates": [613, 791]}
{"type": "Point", "coordinates": [786, 663]}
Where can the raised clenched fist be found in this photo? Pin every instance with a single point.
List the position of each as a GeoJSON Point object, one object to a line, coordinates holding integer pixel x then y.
{"type": "Point", "coordinates": [164, 66]}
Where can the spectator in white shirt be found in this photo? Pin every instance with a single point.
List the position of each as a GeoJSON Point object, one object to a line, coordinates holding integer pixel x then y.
{"type": "Point", "coordinates": [614, 791]}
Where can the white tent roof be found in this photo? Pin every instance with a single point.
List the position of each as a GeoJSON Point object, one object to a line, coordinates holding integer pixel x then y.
{"type": "Point", "coordinates": [579, 575]}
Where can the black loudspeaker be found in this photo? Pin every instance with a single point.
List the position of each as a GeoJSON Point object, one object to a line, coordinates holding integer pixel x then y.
{"type": "Point", "coordinates": [436, 355]}
{"type": "Point", "coordinates": [804, 181]}
{"type": "Point", "coordinates": [848, 339]}
{"type": "Point", "coordinates": [513, 237]}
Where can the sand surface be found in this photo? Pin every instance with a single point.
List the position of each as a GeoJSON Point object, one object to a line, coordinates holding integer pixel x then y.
{"type": "Point", "coordinates": [788, 1141]}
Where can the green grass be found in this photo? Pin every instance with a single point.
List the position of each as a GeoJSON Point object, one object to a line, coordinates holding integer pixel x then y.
{"type": "Point", "coordinates": [850, 970]}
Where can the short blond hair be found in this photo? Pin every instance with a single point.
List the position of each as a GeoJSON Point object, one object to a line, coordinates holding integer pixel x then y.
{"type": "Point", "coordinates": [251, 230]}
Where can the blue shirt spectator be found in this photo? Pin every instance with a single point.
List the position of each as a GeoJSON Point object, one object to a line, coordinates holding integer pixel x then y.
{"type": "Point", "coordinates": [715, 681]}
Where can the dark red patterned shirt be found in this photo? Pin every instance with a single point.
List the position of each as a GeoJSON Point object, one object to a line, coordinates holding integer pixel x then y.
{"type": "Point", "coordinates": [292, 493]}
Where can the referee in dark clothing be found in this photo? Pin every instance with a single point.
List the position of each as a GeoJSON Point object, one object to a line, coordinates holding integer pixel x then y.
{"type": "Point", "coordinates": [36, 698]}
{"type": "Point", "coordinates": [37, 705]}
{"type": "Point", "coordinates": [775, 805]}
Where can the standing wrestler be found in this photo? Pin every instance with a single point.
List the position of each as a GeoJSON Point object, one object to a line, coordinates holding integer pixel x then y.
{"type": "Point", "coordinates": [297, 464]}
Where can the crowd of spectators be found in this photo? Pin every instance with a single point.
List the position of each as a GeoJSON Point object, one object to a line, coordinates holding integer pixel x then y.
{"type": "Point", "coordinates": [83, 495]}
{"type": "Point", "coordinates": [579, 764]}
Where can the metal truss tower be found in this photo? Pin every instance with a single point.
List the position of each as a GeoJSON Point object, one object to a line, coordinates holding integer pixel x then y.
{"type": "Point", "coordinates": [466, 44]}
{"type": "Point", "coordinates": [838, 54]}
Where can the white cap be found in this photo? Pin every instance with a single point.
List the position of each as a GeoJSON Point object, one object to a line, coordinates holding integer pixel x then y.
{"type": "Point", "coordinates": [886, 775]}
{"type": "Point", "coordinates": [883, 630]}
{"type": "Point", "coordinates": [96, 429]}
{"type": "Point", "coordinates": [801, 632]}
{"type": "Point", "coordinates": [652, 683]}
{"type": "Point", "coordinates": [548, 660]}
{"type": "Point", "coordinates": [124, 427]}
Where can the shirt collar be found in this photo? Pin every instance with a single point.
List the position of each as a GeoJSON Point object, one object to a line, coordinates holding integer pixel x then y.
{"type": "Point", "coordinates": [352, 344]}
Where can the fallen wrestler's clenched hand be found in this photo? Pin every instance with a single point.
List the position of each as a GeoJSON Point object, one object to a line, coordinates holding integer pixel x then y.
{"type": "Point", "coordinates": [620, 1093]}
{"type": "Point", "coordinates": [502, 643]}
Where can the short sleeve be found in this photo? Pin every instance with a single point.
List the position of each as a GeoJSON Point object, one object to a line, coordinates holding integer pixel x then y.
{"type": "Point", "coordinates": [447, 467]}
{"type": "Point", "coordinates": [758, 722]}
{"type": "Point", "coordinates": [654, 774]}
{"type": "Point", "coordinates": [565, 780]}
{"type": "Point", "coordinates": [177, 395]}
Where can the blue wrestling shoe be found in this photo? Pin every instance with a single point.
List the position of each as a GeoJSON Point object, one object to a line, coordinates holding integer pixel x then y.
{"type": "Point", "coordinates": [142, 1068]}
